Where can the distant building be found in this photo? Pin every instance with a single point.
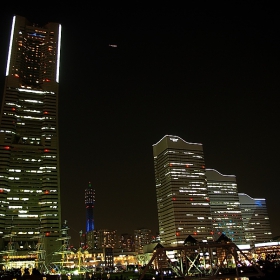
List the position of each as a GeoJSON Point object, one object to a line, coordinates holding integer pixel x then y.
{"type": "Point", "coordinates": [225, 206]}
{"type": "Point", "coordinates": [182, 197]}
{"type": "Point", "coordinates": [89, 202]}
{"type": "Point", "coordinates": [102, 238]}
{"type": "Point", "coordinates": [29, 140]}
{"type": "Point", "coordinates": [142, 237]}
{"type": "Point", "coordinates": [255, 219]}
{"type": "Point", "coordinates": [126, 242]}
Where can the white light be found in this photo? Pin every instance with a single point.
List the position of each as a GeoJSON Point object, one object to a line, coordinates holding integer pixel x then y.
{"type": "Point", "coordinates": [58, 54]}
{"type": "Point", "coordinates": [10, 46]}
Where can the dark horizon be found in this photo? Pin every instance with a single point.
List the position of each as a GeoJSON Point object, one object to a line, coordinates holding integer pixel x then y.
{"type": "Point", "coordinates": [207, 72]}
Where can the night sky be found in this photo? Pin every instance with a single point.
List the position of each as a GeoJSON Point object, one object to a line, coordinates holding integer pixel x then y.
{"type": "Point", "coordinates": [207, 71]}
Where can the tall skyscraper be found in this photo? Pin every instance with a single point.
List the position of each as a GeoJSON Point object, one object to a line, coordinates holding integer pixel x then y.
{"type": "Point", "coordinates": [29, 142]}
{"type": "Point", "coordinates": [89, 202]}
{"type": "Point", "coordinates": [255, 219]}
{"type": "Point", "coordinates": [225, 206]}
{"type": "Point", "coordinates": [182, 197]}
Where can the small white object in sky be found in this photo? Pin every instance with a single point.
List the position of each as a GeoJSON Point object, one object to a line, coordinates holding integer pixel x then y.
{"type": "Point", "coordinates": [113, 46]}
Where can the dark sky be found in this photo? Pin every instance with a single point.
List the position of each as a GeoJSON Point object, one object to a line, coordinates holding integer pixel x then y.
{"type": "Point", "coordinates": [207, 71]}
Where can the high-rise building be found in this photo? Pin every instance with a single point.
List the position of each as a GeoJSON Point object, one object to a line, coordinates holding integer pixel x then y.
{"type": "Point", "coordinates": [142, 237]}
{"type": "Point", "coordinates": [29, 142]}
{"type": "Point", "coordinates": [89, 202]}
{"type": "Point", "coordinates": [255, 219]}
{"type": "Point", "coordinates": [225, 206]}
{"type": "Point", "coordinates": [182, 197]}
{"type": "Point", "coordinates": [126, 242]}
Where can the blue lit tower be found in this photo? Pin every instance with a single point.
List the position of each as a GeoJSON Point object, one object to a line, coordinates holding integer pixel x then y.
{"type": "Point", "coordinates": [89, 201]}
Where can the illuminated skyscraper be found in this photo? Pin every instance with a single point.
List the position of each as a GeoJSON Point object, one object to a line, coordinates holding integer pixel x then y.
{"type": "Point", "coordinates": [182, 198]}
{"type": "Point", "coordinates": [255, 219]}
{"type": "Point", "coordinates": [225, 206]}
{"type": "Point", "coordinates": [29, 142]}
{"type": "Point", "coordinates": [89, 201]}
{"type": "Point", "coordinates": [142, 237]}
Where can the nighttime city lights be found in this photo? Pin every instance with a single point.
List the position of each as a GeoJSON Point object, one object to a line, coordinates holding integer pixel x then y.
{"type": "Point", "coordinates": [138, 123]}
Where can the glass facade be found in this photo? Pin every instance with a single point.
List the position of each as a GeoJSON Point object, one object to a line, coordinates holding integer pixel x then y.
{"type": "Point", "coordinates": [255, 219]}
{"type": "Point", "coordinates": [225, 206]}
{"type": "Point", "coordinates": [29, 144]}
{"type": "Point", "coordinates": [182, 197]}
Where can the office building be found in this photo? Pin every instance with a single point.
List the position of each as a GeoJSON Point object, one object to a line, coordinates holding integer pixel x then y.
{"type": "Point", "coordinates": [255, 219]}
{"type": "Point", "coordinates": [29, 139]}
{"type": "Point", "coordinates": [126, 242]}
{"type": "Point", "coordinates": [142, 237]}
{"type": "Point", "coordinates": [225, 206]}
{"type": "Point", "coordinates": [182, 198]}
{"type": "Point", "coordinates": [89, 202]}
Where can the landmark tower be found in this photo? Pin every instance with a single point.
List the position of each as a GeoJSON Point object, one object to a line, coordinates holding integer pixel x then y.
{"type": "Point", "coordinates": [29, 142]}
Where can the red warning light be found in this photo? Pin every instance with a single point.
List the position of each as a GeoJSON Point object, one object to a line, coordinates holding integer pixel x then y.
{"type": "Point", "coordinates": [45, 112]}
{"type": "Point", "coordinates": [47, 192]}
{"type": "Point", "coordinates": [7, 147]}
{"type": "Point", "coordinates": [48, 233]}
{"type": "Point", "coordinates": [46, 150]}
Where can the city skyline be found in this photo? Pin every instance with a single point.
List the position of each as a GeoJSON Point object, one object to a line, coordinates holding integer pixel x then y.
{"type": "Point", "coordinates": [207, 73]}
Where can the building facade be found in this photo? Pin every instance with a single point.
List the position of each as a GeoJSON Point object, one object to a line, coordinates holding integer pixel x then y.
{"type": "Point", "coordinates": [225, 206]}
{"type": "Point", "coordinates": [182, 197]}
{"type": "Point", "coordinates": [89, 202]}
{"type": "Point", "coordinates": [255, 219]}
{"type": "Point", "coordinates": [142, 237]}
{"type": "Point", "coordinates": [29, 139]}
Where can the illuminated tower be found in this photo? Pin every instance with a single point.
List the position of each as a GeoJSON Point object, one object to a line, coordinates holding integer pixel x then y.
{"type": "Point", "coordinates": [89, 201]}
{"type": "Point", "coordinates": [182, 197]}
{"type": "Point", "coordinates": [29, 146]}
{"type": "Point", "coordinates": [255, 219]}
{"type": "Point", "coordinates": [225, 206]}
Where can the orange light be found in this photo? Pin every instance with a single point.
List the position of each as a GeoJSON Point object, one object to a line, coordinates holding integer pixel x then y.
{"type": "Point", "coordinates": [46, 112]}
{"type": "Point", "coordinates": [187, 166]}
{"type": "Point", "coordinates": [173, 198]}
{"type": "Point", "coordinates": [47, 192]}
{"type": "Point", "coordinates": [170, 164]}
{"type": "Point", "coordinates": [46, 150]}
{"type": "Point", "coordinates": [47, 234]}
{"type": "Point", "coordinates": [7, 148]}
{"type": "Point", "coordinates": [177, 233]}
{"type": "Point", "coordinates": [16, 75]}
{"type": "Point", "coordinates": [13, 109]}
{"type": "Point", "coordinates": [191, 199]}
{"type": "Point", "coordinates": [202, 166]}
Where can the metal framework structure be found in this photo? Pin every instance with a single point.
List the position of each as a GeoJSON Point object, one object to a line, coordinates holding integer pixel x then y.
{"type": "Point", "coordinates": [215, 260]}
